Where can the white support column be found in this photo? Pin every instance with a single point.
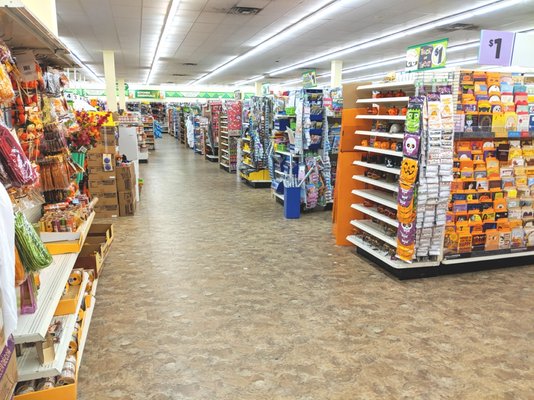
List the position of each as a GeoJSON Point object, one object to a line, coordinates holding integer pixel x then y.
{"type": "Point", "coordinates": [111, 82]}
{"type": "Point", "coordinates": [257, 88]}
{"type": "Point", "coordinates": [336, 72]}
{"type": "Point", "coordinates": [122, 95]}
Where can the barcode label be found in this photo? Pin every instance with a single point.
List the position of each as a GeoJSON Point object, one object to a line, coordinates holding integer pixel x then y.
{"type": "Point", "coordinates": [27, 68]}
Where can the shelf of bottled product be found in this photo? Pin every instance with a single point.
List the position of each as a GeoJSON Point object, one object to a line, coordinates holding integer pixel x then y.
{"type": "Point", "coordinates": [373, 212]}
{"type": "Point", "coordinates": [378, 196]}
{"type": "Point", "coordinates": [374, 229]}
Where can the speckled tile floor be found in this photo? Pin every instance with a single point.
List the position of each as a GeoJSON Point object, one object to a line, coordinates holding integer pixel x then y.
{"type": "Point", "coordinates": [209, 293]}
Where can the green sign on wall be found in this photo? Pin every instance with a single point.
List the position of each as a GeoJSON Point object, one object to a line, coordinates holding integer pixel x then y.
{"type": "Point", "coordinates": [202, 95]}
{"type": "Point", "coordinates": [148, 94]}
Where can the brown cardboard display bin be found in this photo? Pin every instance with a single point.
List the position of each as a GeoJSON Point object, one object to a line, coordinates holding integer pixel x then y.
{"type": "Point", "coordinates": [92, 257]}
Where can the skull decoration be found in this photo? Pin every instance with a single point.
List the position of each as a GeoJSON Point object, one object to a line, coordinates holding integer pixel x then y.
{"type": "Point", "coordinates": [411, 146]}
{"type": "Point", "coordinates": [406, 234]}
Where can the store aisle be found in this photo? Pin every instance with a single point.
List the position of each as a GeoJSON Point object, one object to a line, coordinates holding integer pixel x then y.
{"type": "Point", "coordinates": [209, 293]}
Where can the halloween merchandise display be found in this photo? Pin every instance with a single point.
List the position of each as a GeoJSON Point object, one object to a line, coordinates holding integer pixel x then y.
{"type": "Point", "coordinates": [492, 192]}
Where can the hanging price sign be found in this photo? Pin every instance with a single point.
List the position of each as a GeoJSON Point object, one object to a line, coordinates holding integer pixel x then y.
{"type": "Point", "coordinates": [496, 48]}
{"type": "Point", "coordinates": [429, 55]}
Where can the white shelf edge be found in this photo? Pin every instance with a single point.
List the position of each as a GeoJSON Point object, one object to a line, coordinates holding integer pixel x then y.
{"type": "Point", "coordinates": [379, 151]}
{"type": "Point", "coordinates": [212, 156]}
{"type": "Point", "coordinates": [385, 117]}
{"type": "Point", "coordinates": [224, 165]}
{"type": "Point", "coordinates": [225, 151]}
{"type": "Point", "coordinates": [286, 153]}
{"type": "Point", "coordinates": [280, 173]}
{"type": "Point", "coordinates": [280, 196]}
{"type": "Point", "coordinates": [376, 196]}
{"type": "Point", "coordinates": [85, 332]}
{"type": "Point", "coordinates": [404, 99]}
{"type": "Point", "coordinates": [397, 264]}
{"type": "Point", "coordinates": [368, 226]}
{"type": "Point", "coordinates": [28, 365]}
{"type": "Point", "coordinates": [33, 327]}
{"type": "Point", "coordinates": [375, 182]}
{"type": "Point", "coordinates": [386, 85]}
{"type": "Point", "coordinates": [225, 158]}
{"type": "Point", "coordinates": [488, 257]}
{"type": "Point", "coordinates": [378, 167]}
{"type": "Point", "coordinates": [372, 212]}
{"type": "Point", "coordinates": [381, 134]}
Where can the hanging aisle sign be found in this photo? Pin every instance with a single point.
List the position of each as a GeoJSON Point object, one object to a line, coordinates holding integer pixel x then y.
{"type": "Point", "coordinates": [496, 48]}
{"type": "Point", "coordinates": [309, 79]}
{"type": "Point", "coordinates": [430, 55]}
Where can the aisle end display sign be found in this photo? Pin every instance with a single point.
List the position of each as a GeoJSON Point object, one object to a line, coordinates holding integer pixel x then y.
{"type": "Point", "coordinates": [506, 48]}
{"type": "Point", "coordinates": [496, 48]}
{"type": "Point", "coordinates": [430, 55]}
{"type": "Point", "coordinates": [309, 79]}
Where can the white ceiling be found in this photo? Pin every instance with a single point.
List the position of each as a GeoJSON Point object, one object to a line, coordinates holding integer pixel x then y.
{"type": "Point", "coordinates": [205, 34]}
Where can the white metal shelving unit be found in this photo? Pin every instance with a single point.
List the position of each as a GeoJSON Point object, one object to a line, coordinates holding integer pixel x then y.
{"type": "Point", "coordinates": [388, 135]}
{"type": "Point", "coordinates": [376, 182]}
{"type": "Point", "coordinates": [33, 327]}
{"type": "Point", "coordinates": [28, 364]}
{"type": "Point", "coordinates": [386, 85]}
{"type": "Point", "coordinates": [386, 100]}
{"type": "Point", "coordinates": [379, 151]}
{"type": "Point", "coordinates": [377, 196]}
{"type": "Point", "coordinates": [382, 117]}
{"type": "Point", "coordinates": [378, 167]}
{"type": "Point", "coordinates": [374, 229]}
{"type": "Point", "coordinates": [373, 212]}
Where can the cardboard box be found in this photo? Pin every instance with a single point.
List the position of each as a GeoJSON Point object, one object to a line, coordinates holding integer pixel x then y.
{"type": "Point", "coordinates": [126, 179]}
{"type": "Point", "coordinates": [69, 301]}
{"type": "Point", "coordinates": [107, 140]}
{"type": "Point", "coordinates": [8, 370]}
{"type": "Point", "coordinates": [102, 176]}
{"type": "Point", "coordinates": [101, 148]}
{"type": "Point", "coordinates": [106, 211]}
{"type": "Point", "coordinates": [91, 257]}
{"type": "Point", "coordinates": [103, 186]}
{"type": "Point", "coordinates": [106, 199]}
{"type": "Point", "coordinates": [127, 203]}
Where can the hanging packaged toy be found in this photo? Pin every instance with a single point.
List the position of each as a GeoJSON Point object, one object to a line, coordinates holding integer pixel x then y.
{"type": "Point", "coordinates": [15, 162]}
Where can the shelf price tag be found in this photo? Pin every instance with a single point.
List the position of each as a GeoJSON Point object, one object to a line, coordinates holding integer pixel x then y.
{"type": "Point", "coordinates": [496, 48]}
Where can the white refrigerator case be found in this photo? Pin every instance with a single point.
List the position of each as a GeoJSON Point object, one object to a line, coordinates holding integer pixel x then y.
{"type": "Point", "coordinates": [129, 147]}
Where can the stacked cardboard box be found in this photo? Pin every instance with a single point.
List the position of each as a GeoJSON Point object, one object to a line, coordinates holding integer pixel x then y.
{"type": "Point", "coordinates": [126, 181]}
{"type": "Point", "coordinates": [102, 174]}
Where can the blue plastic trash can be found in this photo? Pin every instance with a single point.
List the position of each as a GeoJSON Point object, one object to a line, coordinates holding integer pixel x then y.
{"type": "Point", "coordinates": [292, 202]}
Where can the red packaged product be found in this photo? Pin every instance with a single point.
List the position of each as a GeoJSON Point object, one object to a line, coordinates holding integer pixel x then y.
{"type": "Point", "coordinates": [16, 164]}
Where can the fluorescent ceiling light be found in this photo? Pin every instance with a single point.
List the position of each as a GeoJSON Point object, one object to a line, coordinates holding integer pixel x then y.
{"type": "Point", "coordinates": [391, 36]}
{"type": "Point", "coordinates": [171, 12]}
{"type": "Point", "coordinates": [249, 81]}
{"type": "Point", "coordinates": [285, 33]}
{"type": "Point", "coordinates": [86, 68]}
